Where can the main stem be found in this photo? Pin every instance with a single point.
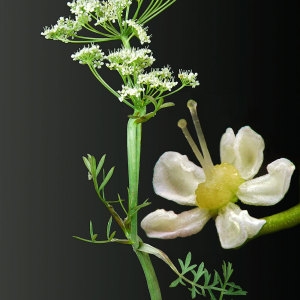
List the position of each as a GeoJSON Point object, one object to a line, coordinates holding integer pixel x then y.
{"type": "Point", "coordinates": [134, 136]}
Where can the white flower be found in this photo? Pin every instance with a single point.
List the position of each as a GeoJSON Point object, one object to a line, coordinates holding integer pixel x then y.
{"type": "Point", "coordinates": [111, 11]}
{"type": "Point", "coordinates": [158, 79]}
{"type": "Point", "coordinates": [130, 61]}
{"type": "Point", "coordinates": [188, 78]}
{"type": "Point", "coordinates": [128, 91]}
{"type": "Point", "coordinates": [213, 190]}
{"type": "Point", "coordinates": [63, 30]}
{"type": "Point", "coordinates": [90, 55]}
{"type": "Point", "coordinates": [139, 31]}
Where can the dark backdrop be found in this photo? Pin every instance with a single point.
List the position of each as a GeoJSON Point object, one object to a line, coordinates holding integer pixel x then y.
{"type": "Point", "coordinates": [53, 111]}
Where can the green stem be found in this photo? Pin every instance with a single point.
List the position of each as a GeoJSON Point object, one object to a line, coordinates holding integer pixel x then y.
{"type": "Point", "coordinates": [134, 135]}
{"type": "Point", "coordinates": [152, 282]}
{"type": "Point", "coordinates": [283, 220]}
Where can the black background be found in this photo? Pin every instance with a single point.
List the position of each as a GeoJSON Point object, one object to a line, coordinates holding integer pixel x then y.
{"type": "Point", "coordinates": [53, 111]}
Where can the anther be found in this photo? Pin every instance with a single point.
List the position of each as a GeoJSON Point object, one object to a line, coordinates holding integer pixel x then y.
{"type": "Point", "coordinates": [191, 104]}
{"type": "Point", "coordinates": [182, 123]}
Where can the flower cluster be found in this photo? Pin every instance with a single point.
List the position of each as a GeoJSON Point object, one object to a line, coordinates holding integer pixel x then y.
{"type": "Point", "coordinates": [114, 20]}
{"type": "Point", "coordinates": [188, 78]}
{"type": "Point", "coordinates": [139, 31]}
{"type": "Point", "coordinates": [86, 11]}
{"type": "Point", "coordinates": [130, 92]}
{"type": "Point", "coordinates": [102, 11]}
{"type": "Point", "coordinates": [82, 9]}
{"type": "Point", "coordinates": [158, 79]}
{"type": "Point", "coordinates": [214, 190]}
{"type": "Point", "coordinates": [154, 84]}
{"type": "Point", "coordinates": [62, 30]}
{"type": "Point", "coordinates": [111, 11]}
{"type": "Point", "coordinates": [130, 61]}
{"type": "Point", "coordinates": [90, 55]}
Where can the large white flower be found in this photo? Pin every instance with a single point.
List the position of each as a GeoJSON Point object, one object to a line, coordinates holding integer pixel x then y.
{"type": "Point", "coordinates": [215, 189]}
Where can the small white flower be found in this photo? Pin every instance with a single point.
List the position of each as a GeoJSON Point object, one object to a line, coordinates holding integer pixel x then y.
{"type": "Point", "coordinates": [139, 31]}
{"type": "Point", "coordinates": [64, 29]}
{"type": "Point", "coordinates": [158, 79]}
{"type": "Point", "coordinates": [188, 78]}
{"type": "Point", "coordinates": [83, 9]}
{"type": "Point", "coordinates": [215, 189]}
{"type": "Point", "coordinates": [90, 55]}
{"type": "Point", "coordinates": [129, 92]}
{"type": "Point", "coordinates": [130, 61]}
{"type": "Point", "coordinates": [111, 10]}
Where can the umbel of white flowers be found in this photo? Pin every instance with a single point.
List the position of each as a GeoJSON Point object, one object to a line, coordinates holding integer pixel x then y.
{"type": "Point", "coordinates": [215, 189]}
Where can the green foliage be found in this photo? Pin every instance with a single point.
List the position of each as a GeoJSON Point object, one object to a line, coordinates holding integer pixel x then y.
{"type": "Point", "coordinates": [212, 285]}
{"type": "Point", "coordinates": [94, 171]}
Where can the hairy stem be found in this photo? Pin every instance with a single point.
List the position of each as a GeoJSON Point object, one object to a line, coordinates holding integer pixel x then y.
{"type": "Point", "coordinates": [283, 220]}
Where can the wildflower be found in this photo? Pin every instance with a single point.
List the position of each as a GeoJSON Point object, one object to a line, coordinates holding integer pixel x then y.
{"type": "Point", "coordinates": [139, 31]}
{"type": "Point", "coordinates": [215, 189]}
{"type": "Point", "coordinates": [130, 61]}
{"type": "Point", "coordinates": [188, 78]}
{"type": "Point", "coordinates": [83, 10]}
{"type": "Point", "coordinates": [111, 11]}
{"type": "Point", "coordinates": [158, 79]}
{"type": "Point", "coordinates": [129, 92]}
{"type": "Point", "coordinates": [90, 55]}
{"type": "Point", "coordinates": [64, 29]}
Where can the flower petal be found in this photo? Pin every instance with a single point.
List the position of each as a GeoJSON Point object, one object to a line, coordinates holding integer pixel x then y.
{"type": "Point", "coordinates": [164, 224]}
{"type": "Point", "coordinates": [235, 226]}
{"type": "Point", "coordinates": [268, 189]}
{"type": "Point", "coordinates": [227, 146]}
{"type": "Point", "coordinates": [245, 151]}
{"type": "Point", "coordinates": [176, 178]}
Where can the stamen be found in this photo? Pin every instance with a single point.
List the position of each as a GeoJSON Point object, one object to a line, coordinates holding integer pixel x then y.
{"type": "Point", "coordinates": [183, 125]}
{"type": "Point", "coordinates": [192, 106]}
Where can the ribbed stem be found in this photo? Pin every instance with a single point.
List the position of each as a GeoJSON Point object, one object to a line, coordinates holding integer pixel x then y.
{"type": "Point", "coordinates": [134, 135]}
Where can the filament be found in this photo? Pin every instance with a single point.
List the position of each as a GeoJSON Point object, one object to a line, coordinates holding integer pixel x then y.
{"type": "Point", "coordinates": [183, 125]}
{"type": "Point", "coordinates": [192, 106]}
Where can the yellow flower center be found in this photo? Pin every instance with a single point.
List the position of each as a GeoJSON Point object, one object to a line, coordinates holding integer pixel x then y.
{"type": "Point", "coordinates": [219, 188]}
{"type": "Point", "coordinates": [222, 181]}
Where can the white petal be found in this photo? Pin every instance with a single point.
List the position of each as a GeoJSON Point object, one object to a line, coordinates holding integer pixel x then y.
{"type": "Point", "coordinates": [176, 178]}
{"type": "Point", "coordinates": [164, 224]}
{"type": "Point", "coordinates": [235, 226]}
{"type": "Point", "coordinates": [270, 188]}
{"type": "Point", "coordinates": [248, 147]}
{"type": "Point", "coordinates": [227, 146]}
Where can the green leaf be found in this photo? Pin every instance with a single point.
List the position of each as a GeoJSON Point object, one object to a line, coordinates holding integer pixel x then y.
{"type": "Point", "coordinates": [167, 104]}
{"type": "Point", "coordinates": [176, 282]}
{"type": "Point", "coordinates": [112, 235]}
{"type": "Point", "coordinates": [188, 259]}
{"type": "Point", "coordinates": [108, 227]}
{"type": "Point", "coordinates": [199, 273]}
{"type": "Point", "coordinates": [94, 237]}
{"type": "Point", "coordinates": [87, 163]}
{"type": "Point", "coordinates": [106, 179]}
{"type": "Point", "coordinates": [91, 230]}
{"type": "Point", "coordinates": [100, 164]}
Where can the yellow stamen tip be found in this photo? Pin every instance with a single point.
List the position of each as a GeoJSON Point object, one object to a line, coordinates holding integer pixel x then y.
{"type": "Point", "coordinates": [192, 104]}
{"type": "Point", "coordinates": [182, 123]}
